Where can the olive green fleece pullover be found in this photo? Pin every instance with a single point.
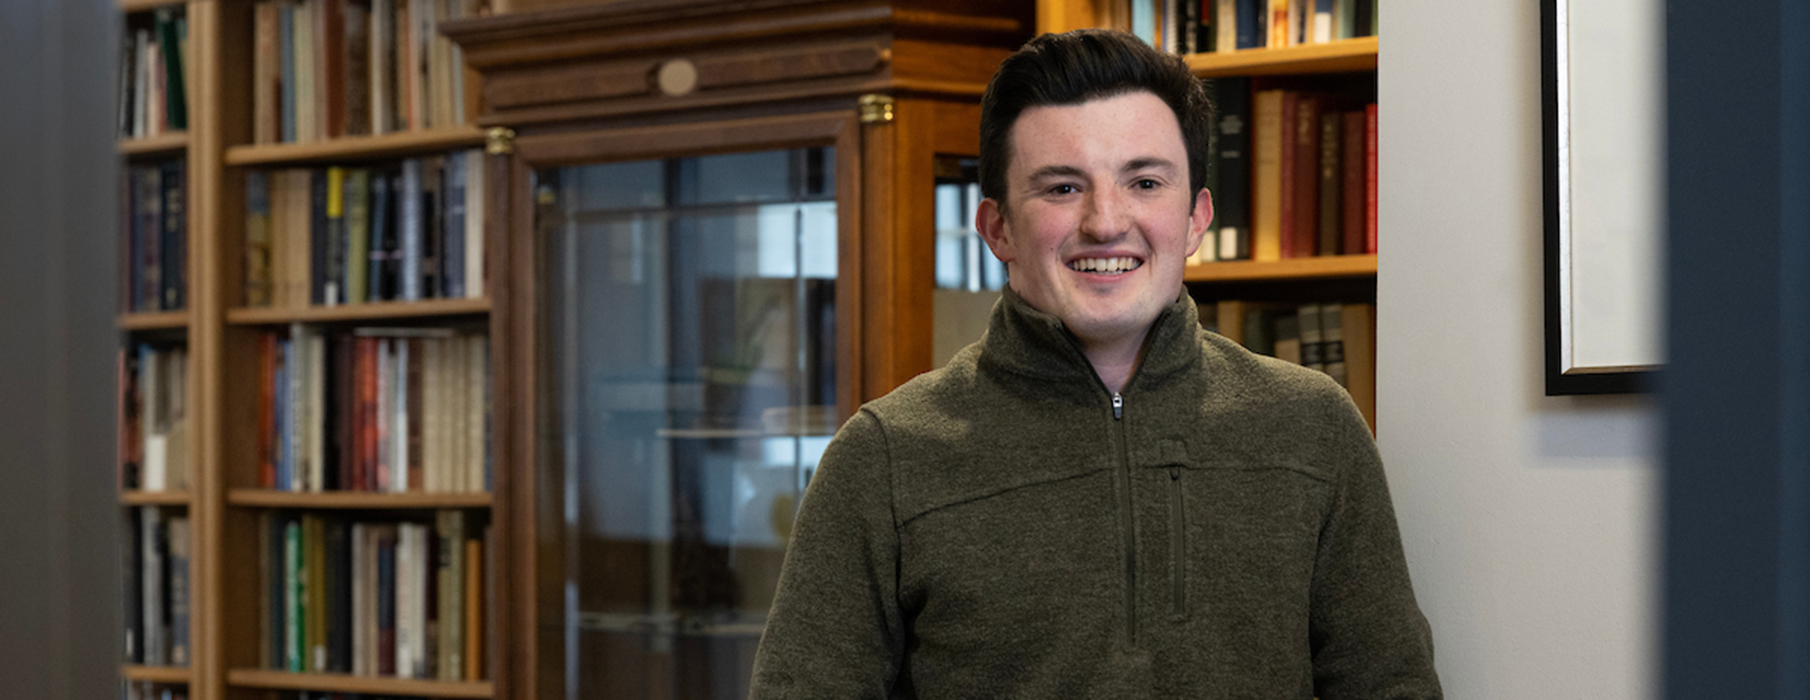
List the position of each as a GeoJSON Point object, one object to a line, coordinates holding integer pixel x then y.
{"type": "Point", "coordinates": [1005, 527]}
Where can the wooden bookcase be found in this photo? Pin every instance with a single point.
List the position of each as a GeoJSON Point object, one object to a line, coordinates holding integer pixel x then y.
{"type": "Point", "coordinates": [1346, 278]}
{"type": "Point", "coordinates": [222, 500]}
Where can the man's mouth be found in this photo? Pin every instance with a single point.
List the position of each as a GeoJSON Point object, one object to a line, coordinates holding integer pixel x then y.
{"type": "Point", "coordinates": [1105, 266]}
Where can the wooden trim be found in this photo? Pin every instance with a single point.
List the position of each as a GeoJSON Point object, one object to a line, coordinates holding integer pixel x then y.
{"type": "Point", "coordinates": [173, 142]}
{"type": "Point", "coordinates": [1329, 266]}
{"type": "Point", "coordinates": [703, 138]}
{"type": "Point", "coordinates": [850, 270]}
{"type": "Point", "coordinates": [1344, 56]}
{"type": "Point", "coordinates": [155, 674]}
{"type": "Point", "coordinates": [206, 255]}
{"type": "Point", "coordinates": [357, 147]}
{"type": "Point", "coordinates": [344, 683]}
{"type": "Point", "coordinates": [130, 6]}
{"type": "Point", "coordinates": [376, 311]}
{"type": "Point", "coordinates": [513, 412]}
{"type": "Point", "coordinates": [266, 498]}
{"type": "Point", "coordinates": [134, 497]}
{"type": "Point", "coordinates": [153, 320]}
{"type": "Point", "coordinates": [501, 176]}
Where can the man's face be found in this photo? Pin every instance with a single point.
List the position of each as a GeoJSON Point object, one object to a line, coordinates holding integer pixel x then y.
{"type": "Point", "coordinates": [1099, 222]}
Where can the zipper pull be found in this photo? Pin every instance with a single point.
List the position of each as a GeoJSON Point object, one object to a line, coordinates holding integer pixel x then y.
{"type": "Point", "coordinates": [1118, 406]}
{"type": "Point", "coordinates": [1175, 473]}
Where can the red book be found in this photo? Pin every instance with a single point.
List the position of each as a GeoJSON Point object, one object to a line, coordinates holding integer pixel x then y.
{"type": "Point", "coordinates": [267, 399]}
{"type": "Point", "coordinates": [367, 414]}
{"type": "Point", "coordinates": [1356, 173]}
{"type": "Point", "coordinates": [1370, 177]}
{"type": "Point", "coordinates": [1290, 105]}
{"type": "Point", "coordinates": [1306, 126]}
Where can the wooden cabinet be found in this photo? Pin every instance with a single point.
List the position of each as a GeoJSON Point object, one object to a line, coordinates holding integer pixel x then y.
{"type": "Point", "coordinates": [713, 238]}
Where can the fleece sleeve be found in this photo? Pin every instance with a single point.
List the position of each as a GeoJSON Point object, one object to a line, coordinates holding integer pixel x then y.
{"type": "Point", "coordinates": [1369, 638]}
{"type": "Point", "coordinates": [835, 629]}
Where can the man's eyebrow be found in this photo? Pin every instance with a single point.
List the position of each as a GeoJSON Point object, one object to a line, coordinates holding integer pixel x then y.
{"type": "Point", "coordinates": [1053, 171]}
{"type": "Point", "coordinates": [1150, 163]}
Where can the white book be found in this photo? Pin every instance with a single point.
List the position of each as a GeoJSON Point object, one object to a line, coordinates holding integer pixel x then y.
{"type": "Point", "coordinates": [317, 412]}
{"type": "Point", "coordinates": [298, 417]}
{"type": "Point", "coordinates": [410, 220]}
{"type": "Point", "coordinates": [1228, 27]}
{"type": "Point", "coordinates": [476, 403]}
{"type": "Point", "coordinates": [406, 596]}
{"type": "Point", "coordinates": [154, 473]}
{"type": "Point", "coordinates": [1322, 29]}
{"type": "Point", "coordinates": [474, 222]}
{"type": "Point", "coordinates": [383, 14]}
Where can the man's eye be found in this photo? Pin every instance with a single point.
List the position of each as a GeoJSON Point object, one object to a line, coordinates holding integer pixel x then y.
{"type": "Point", "coordinates": [1063, 189]}
{"type": "Point", "coordinates": [1148, 184]}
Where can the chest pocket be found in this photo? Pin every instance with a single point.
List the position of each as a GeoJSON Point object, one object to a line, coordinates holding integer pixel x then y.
{"type": "Point", "coordinates": [1239, 538]}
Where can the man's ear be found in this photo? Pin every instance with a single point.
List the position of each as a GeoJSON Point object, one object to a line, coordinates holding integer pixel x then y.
{"type": "Point", "coordinates": [990, 221]}
{"type": "Point", "coordinates": [1199, 219]}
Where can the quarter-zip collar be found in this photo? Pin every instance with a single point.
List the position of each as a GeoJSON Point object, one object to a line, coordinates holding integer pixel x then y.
{"type": "Point", "coordinates": [1027, 342]}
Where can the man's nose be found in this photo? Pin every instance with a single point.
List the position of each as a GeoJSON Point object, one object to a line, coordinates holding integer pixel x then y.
{"type": "Point", "coordinates": [1107, 216]}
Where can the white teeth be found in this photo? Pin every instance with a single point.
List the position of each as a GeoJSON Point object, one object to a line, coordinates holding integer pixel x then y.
{"type": "Point", "coordinates": [1105, 265]}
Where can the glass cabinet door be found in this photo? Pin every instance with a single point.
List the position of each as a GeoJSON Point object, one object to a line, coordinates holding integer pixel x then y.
{"type": "Point", "coordinates": [686, 389]}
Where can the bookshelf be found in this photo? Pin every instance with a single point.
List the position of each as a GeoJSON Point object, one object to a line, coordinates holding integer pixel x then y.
{"type": "Point", "coordinates": [1264, 299]}
{"type": "Point", "coordinates": [220, 497]}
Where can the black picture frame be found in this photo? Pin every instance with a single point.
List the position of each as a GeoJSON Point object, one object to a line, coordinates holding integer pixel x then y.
{"type": "Point", "coordinates": [1562, 380]}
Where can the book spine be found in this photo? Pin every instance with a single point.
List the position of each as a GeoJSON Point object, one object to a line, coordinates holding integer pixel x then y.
{"type": "Point", "coordinates": [333, 281]}
{"type": "Point", "coordinates": [410, 415]}
{"type": "Point", "coordinates": [452, 273]}
{"type": "Point", "coordinates": [286, 33]}
{"type": "Point", "coordinates": [474, 224]}
{"type": "Point", "coordinates": [1307, 177]}
{"type": "Point", "coordinates": [358, 232]}
{"type": "Point", "coordinates": [295, 576]}
{"type": "Point", "coordinates": [275, 529]}
{"type": "Point", "coordinates": [169, 45]}
{"type": "Point", "coordinates": [355, 67]}
{"type": "Point", "coordinates": [386, 600]}
{"type": "Point", "coordinates": [411, 224]}
{"type": "Point", "coordinates": [1330, 177]}
{"type": "Point", "coordinates": [134, 568]}
{"type": "Point", "coordinates": [474, 609]}
{"type": "Point", "coordinates": [257, 238]}
{"type": "Point", "coordinates": [338, 577]}
{"type": "Point", "coordinates": [319, 236]}
{"type": "Point", "coordinates": [1232, 201]}
{"type": "Point", "coordinates": [155, 616]}
{"type": "Point", "coordinates": [1266, 187]}
{"type": "Point", "coordinates": [1351, 191]}
{"type": "Point", "coordinates": [151, 226]}
{"type": "Point", "coordinates": [1370, 178]}
{"type": "Point", "coordinates": [379, 253]}
{"type": "Point", "coordinates": [179, 591]}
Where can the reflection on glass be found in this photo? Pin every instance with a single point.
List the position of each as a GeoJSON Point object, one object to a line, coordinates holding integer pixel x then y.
{"type": "Point", "coordinates": [968, 276]}
{"type": "Point", "coordinates": [688, 390]}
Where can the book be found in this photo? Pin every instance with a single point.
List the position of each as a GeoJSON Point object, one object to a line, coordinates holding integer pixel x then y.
{"type": "Point", "coordinates": [171, 26]}
{"type": "Point", "coordinates": [173, 236]}
{"type": "Point", "coordinates": [1286, 338]}
{"type": "Point", "coordinates": [1332, 341]}
{"type": "Point", "coordinates": [1311, 337]}
{"type": "Point", "coordinates": [153, 545]}
{"type": "Point", "coordinates": [1370, 178]}
{"type": "Point", "coordinates": [1358, 326]}
{"type": "Point", "coordinates": [472, 262]}
{"type": "Point", "coordinates": [1330, 179]}
{"type": "Point", "coordinates": [179, 591]}
{"type": "Point", "coordinates": [1303, 228]}
{"type": "Point", "coordinates": [1232, 201]}
{"type": "Point", "coordinates": [358, 235]}
{"type": "Point", "coordinates": [1352, 210]}
{"type": "Point", "coordinates": [1266, 175]}
{"type": "Point", "coordinates": [133, 566]}
{"type": "Point", "coordinates": [257, 239]}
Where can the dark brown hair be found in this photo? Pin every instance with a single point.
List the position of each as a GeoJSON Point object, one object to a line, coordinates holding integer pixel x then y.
{"type": "Point", "coordinates": [1077, 67]}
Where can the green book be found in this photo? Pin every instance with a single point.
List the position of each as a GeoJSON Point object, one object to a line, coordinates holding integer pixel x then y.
{"type": "Point", "coordinates": [358, 233]}
{"type": "Point", "coordinates": [170, 31]}
{"type": "Point", "coordinates": [293, 571]}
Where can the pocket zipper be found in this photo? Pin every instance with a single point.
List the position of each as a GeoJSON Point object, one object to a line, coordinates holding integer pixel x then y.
{"type": "Point", "coordinates": [1178, 546]}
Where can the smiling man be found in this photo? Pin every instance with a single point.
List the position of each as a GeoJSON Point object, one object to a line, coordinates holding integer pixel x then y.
{"type": "Point", "coordinates": [1099, 498]}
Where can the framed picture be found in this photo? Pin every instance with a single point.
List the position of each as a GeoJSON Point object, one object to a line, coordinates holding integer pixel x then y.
{"type": "Point", "coordinates": [1603, 103]}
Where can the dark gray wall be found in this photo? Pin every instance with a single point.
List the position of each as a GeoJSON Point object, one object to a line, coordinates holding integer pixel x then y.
{"type": "Point", "coordinates": [59, 578]}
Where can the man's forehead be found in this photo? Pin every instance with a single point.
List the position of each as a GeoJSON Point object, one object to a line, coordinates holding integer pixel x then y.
{"type": "Point", "coordinates": [1041, 134]}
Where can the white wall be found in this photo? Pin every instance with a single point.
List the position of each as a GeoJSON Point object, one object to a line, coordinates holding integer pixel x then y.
{"type": "Point", "coordinates": [1530, 523]}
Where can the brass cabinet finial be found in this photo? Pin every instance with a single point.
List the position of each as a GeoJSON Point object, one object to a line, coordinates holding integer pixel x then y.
{"type": "Point", "coordinates": [875, 108]}
{"type": "Point", "coordinates": [499, 140]}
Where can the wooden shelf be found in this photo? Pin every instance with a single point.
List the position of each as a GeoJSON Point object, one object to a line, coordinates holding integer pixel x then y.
{"type": "Point", "coordinates": [252, 316]}
{"type": "Point", "coordinates": [147, 5]}
{"type": "Point", "coordinates": [359, 500]}
{"type": "Point", "coordinates": [153, 320]}
{"type": "Point", "coordinates": [284, 680]}
{"type": "Point", "coordinates": [154, 498]}
{"type": "Point", "coordinates": [173, 142]}
{"type": "Point", "coordinates": [154, 674]}
{"type": "Point", "coordinates": [1346, 56]}
{"type": "Point", "coordinates": [1325, 267]}
{"type": "Point", "coordinates": [356, 147]}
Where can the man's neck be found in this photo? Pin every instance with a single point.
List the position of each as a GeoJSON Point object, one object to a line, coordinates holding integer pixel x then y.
{"type": "Point", "coordinates": [1116, 361]}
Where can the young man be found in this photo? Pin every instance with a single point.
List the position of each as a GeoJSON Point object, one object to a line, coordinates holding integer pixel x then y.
{"type": "Point", "coordinates": [1098, 499]}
